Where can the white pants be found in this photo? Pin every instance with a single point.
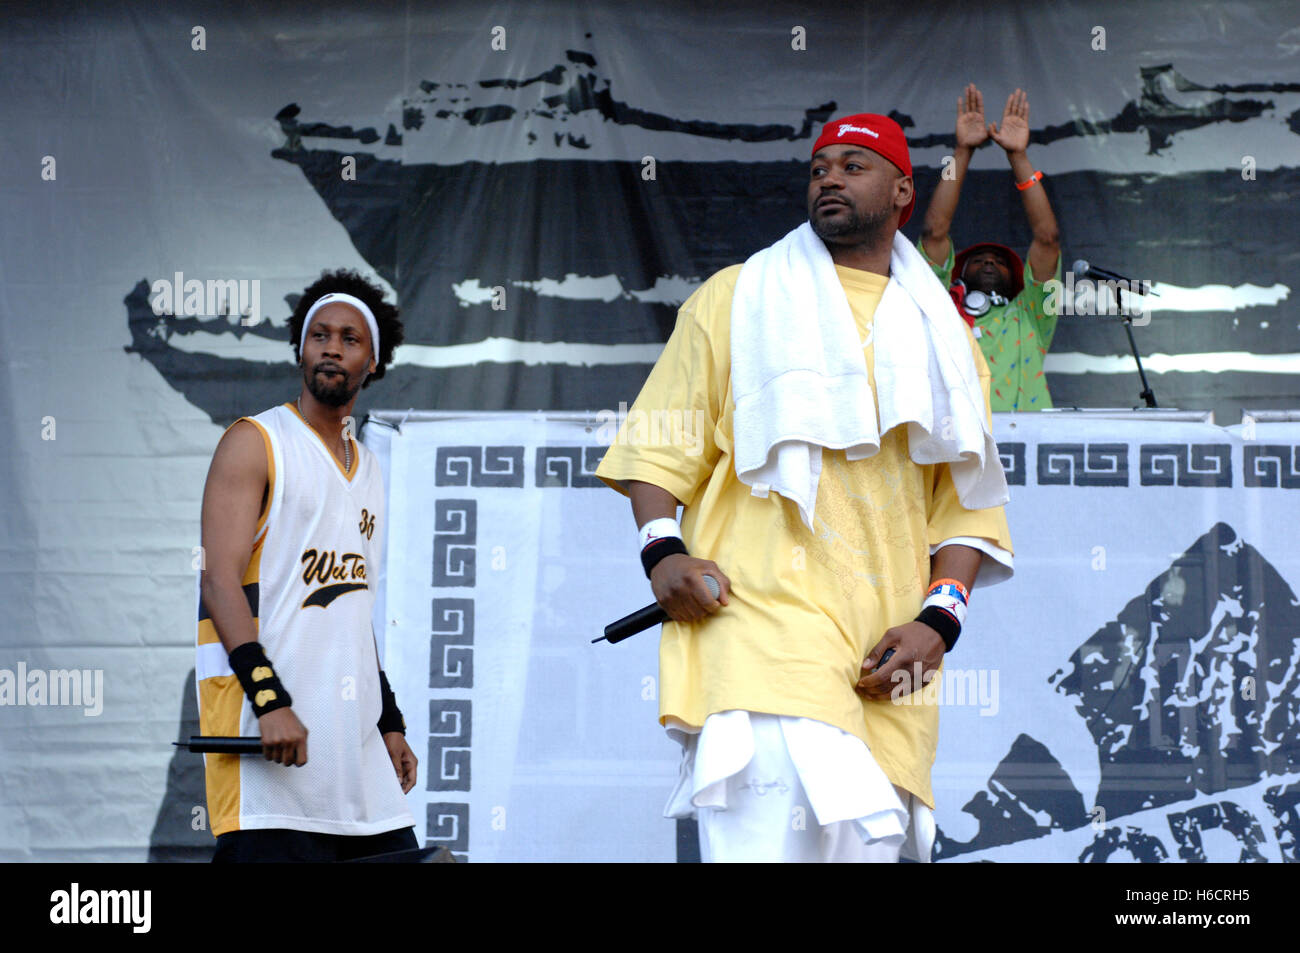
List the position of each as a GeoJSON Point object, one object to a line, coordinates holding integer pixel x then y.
{"type": "Point", "coordinates": [768, 817]}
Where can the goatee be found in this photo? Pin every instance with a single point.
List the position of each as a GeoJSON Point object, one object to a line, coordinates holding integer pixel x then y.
{"type": "Point", "coordinates": [335, 394]}
{"type": "Point", "coordinates": [860, 229]}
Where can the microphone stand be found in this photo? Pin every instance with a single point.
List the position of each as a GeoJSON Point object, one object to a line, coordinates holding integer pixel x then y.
{"type": "Point", "coordinates": [1147, 394]}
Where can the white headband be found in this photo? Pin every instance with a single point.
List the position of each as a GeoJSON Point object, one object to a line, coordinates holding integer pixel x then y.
{"type": "Point", "coordinates": [340, 298]}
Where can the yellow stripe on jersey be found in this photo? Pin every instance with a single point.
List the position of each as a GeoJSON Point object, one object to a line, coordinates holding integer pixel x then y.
{"type": "Point", "coordinates": [220, 700]}
{"type": "Point", "coordinates": [221, 697]}
{"type": "Point", "coordinates": [208, 631]}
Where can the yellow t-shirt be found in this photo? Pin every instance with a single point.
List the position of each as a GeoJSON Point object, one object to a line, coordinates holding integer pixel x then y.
{"type": "Point", "coordinates": [806, 606]}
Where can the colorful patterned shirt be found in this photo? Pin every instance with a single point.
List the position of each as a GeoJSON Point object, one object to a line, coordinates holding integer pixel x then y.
{"type": "Point", "coordinates": [1014, 338]}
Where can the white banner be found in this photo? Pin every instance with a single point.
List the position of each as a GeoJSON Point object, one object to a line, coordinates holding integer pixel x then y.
{"type": "Point", "coordinates": [505, 559]}
{"type": "Point", "coordinates": [1131, 694]}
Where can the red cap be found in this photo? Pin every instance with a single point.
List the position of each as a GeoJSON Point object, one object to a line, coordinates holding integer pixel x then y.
{"type": "Point", "coordinates": [1014, 263]}
{"type": "Point", "coordinates": [880, 134]}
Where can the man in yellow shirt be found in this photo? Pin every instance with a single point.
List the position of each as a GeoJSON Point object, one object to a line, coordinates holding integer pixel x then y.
{"type": "Point", "coordinates": [798, 744]}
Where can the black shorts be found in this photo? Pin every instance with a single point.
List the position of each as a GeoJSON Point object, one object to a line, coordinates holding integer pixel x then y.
{"type": "Point", "coordinates": [278, 846]}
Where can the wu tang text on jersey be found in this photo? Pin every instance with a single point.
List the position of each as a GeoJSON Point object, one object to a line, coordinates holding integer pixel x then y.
{"type": "Point", "coordinates": [333, 575]}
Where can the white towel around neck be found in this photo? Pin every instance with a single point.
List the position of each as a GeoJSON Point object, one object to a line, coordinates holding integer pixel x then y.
{"type": "Point", "coordinates": [800, 381]}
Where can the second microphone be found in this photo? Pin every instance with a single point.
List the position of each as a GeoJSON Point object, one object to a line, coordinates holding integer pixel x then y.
{"type": "Point", "coordinates": [651, 615]}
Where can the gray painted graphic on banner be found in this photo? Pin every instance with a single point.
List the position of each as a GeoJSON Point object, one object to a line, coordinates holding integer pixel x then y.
{"type": "Point", "coordinates": [1198, 464]}
{"type": "Point", "coordinates": [451, 647]}
{"type": "Point", "coordinates": [1271, 465]}
{"type": "Point", "coordinates": [1193, 689]}
{"type": "Point", "coordinates": [568, 466]}
{"type": "Point", "coordinates": [455, 532]}
{"type": "Point", "coordinates": [480, 466]}
{"type": "Point", "coordinates": [450, 733]}
{"type": "Point", "coordinates": [1094, 464]}
{"type": "Point", "coordinates": [447, 825]}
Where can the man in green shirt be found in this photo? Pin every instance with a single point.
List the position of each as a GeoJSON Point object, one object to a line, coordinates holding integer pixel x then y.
{"type": "Point", "coordinates": [1016, 330]}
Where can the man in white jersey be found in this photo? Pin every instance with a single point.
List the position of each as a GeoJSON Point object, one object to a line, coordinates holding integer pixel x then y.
{"type": "Point", "coordinates": [293, 524]}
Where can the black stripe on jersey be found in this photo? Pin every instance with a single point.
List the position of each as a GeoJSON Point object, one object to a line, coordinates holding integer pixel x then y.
{"type": "Point", "coordinates": [250, 593]}
{"type": "Point", "coordinates": [327, 594]}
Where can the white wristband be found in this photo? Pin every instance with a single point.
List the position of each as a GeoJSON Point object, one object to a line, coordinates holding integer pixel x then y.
{"type": "Point", "coordinates": [661, 528]}
{"type": "Point", "coordinates": [950, 602]}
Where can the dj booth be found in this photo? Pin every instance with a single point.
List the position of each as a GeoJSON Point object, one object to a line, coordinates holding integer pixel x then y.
{"type": "Point", "coordinates": [1130, 694]}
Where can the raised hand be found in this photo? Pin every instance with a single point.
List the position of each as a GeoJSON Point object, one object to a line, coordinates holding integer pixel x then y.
{"type": "Point", "coordinates": [971, 131]}
{"type": "Point", "coordinates": [1013, 135]}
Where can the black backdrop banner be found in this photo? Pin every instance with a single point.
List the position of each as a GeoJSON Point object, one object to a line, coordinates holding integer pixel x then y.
{"type": "Point", "coordinates": [547, 195]}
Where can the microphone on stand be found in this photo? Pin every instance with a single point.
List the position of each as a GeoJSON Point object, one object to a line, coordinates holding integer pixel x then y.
{"type": "Point", "coordinates": [643, 619]}
{"type": "Point", "coordinates": [1081, 267]}
{"type": "Point", "coordinates": [1084, 270]}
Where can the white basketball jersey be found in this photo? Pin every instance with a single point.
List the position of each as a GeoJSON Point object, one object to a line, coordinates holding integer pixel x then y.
{"type": "Point", "coordinates": [309, 583]}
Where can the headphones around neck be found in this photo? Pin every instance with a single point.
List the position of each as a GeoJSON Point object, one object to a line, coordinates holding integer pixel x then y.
{"type": "Point", "coordinates": [977, 303]}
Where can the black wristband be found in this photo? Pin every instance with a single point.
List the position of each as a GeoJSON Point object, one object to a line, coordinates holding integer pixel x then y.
{"type": "Point", "coordinates": [661, 549]}
{"type": "Point", "coordinates": [390, 717]}
{"type": "Point", "coordinates": [942, 622]}
{"type": "Point", "coordinates": [258, 678]}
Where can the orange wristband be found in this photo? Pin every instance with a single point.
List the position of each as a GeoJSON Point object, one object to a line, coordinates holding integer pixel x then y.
{"type": "Point", "coordinates": [952, 582]}
{"type": "Point", "coordinates": [1029, 182]}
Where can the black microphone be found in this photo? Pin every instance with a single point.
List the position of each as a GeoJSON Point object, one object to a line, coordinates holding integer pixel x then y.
{"type": "Point", "coordinates": [216, 744]}
{"type": "Point", "coordinates": [643, 619]}
{"type": "Point", "coordinates": [1084, 270]}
